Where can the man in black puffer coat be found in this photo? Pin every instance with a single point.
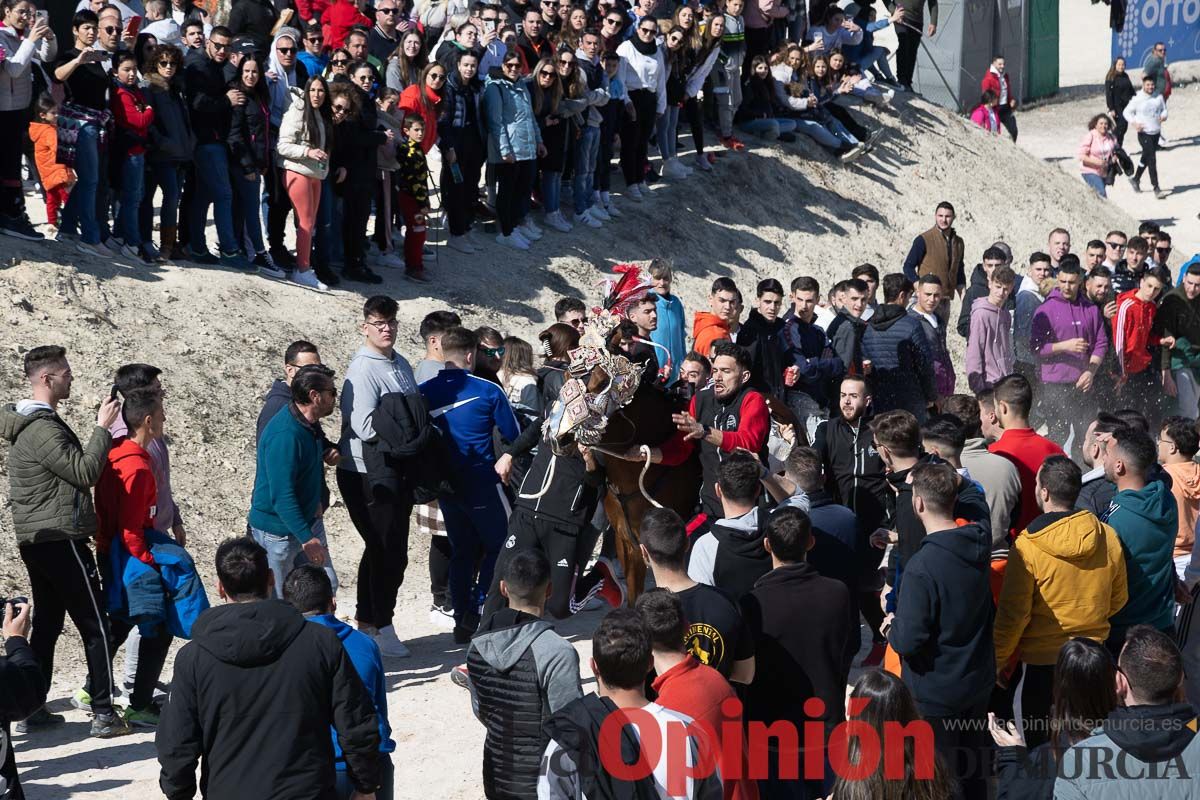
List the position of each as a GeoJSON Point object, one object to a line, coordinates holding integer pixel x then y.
{"type": "Point", "coordinates": [762, 335]}
{"type": "Point", "coordinates": [520, 672]}
{"type": "Point", "coordinates": [901, 361]}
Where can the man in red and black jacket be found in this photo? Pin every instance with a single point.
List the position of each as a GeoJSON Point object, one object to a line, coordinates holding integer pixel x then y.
{"type": "Point", "coordinates": [725, 416]}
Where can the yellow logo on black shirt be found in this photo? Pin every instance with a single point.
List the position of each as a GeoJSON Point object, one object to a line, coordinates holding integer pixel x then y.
{"type": "Point", "coordinates": [706, 643]}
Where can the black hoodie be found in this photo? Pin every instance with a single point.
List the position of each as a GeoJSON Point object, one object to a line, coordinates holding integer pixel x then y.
{"type": "Point", "coordinates": [794, 662]}
{"type": "Point", "coordinates": [942, 630]}
{"type": "Point", "coordinates": [764, 341]}
{"type": "Point", "coordinates": [576, 731]}
{"type": "Point", "coordinates": [253, 697]}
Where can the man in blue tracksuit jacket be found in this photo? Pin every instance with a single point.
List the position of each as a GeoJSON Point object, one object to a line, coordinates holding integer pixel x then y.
{"type": "Point", "coordinates": [467, 409]}
{"type": "Point", "coordinates": [309, 591]}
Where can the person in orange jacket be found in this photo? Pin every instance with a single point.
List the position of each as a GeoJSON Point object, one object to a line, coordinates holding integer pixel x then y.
{"type": "Point", "coordinates": [57, 179]}
{"type": "Point", "coordinates": [712, 326]}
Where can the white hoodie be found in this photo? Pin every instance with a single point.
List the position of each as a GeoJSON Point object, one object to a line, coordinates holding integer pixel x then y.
{"type": "Point", "coordinates": [1147, 109]}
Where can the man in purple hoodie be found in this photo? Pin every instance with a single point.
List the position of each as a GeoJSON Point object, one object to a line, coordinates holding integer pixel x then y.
{"type": "Point", "coordinates": [1067, 338]}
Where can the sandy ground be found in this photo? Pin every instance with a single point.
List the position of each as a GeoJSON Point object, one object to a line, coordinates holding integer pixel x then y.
{"type": "Point", "coordinates": [775, 212]}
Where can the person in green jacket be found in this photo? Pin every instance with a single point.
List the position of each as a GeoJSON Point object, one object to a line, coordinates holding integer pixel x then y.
{"type": "Point", "coordinates": [1179, 316]}
{"type": "Point", "coordinates": [1145, 517]}
{"type": "Point", "coordinates": [285, 508]}
{"type": "Point", "coordinates": [51, 474]}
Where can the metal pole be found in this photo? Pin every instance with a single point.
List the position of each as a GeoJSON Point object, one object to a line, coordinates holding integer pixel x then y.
{"type": "Point", "coordinates": [921, 41]}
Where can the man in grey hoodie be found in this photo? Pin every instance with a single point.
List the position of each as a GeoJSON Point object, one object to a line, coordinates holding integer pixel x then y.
{"type": "Point", "coordinates": [520, 672]}
{"type": "Point", "coordinates": [376, 369]}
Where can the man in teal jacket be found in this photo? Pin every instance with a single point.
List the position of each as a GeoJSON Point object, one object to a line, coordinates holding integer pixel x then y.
{"type": "Point", "coordinates": [1145, 519]}
{"type": "Point", "coordinates": [286, 504]}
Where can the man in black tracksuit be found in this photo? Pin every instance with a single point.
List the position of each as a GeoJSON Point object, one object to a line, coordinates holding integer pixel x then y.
{"type": "Point", "coordinates": [553, 508]}
{"type": "Point", "coordinates": [255, 694]}
{"type": "Point", "coordinates": [854, 478]}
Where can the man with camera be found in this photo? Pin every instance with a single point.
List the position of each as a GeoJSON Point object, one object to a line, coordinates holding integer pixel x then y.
{"type": "Point", "coordinates": [22, 688]}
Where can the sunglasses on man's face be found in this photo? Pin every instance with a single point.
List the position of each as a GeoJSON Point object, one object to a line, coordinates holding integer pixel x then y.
{"type": "Point", "coordinates": [316, 40]}
{"type": "Point", "coordinates": [109, 29]}
{"type": "Point", "coordinates": [1162, 249]}
{"type": "Point", "coordinates": [1115, 245]}
{"type": "Point", "coordinates": [388, 11]}
{"type": "Point", "coordinates": [647, 31]}
{"type": "Point", "coordinates": [493, 352]}
{"type": "Point", "coordinates": [218, 46]}
{"type": "Point", "coordinates": [285, 50]}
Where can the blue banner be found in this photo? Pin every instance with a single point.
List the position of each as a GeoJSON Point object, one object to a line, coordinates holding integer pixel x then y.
{"type": "Point", "coordinates": [1175, 22]}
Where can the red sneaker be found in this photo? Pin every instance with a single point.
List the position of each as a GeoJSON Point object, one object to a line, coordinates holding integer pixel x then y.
{"type": "Point", "coordinates": [610, 589]}
{"type": "Point", "coordinates": [733, 143]}
{"type": "Point", "coordinates": [460, 677]}
{"type": "Point", "coordinates": [712, 157]}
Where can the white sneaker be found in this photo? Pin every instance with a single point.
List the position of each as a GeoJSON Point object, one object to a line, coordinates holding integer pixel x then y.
{"type": "Point", "coordinates": [390, 644]}
{"type": "Point", "coordinates": [557, 221]}
{"type": "Point", "coordinates": [390, 260]}
{"type": "Point", "coordinates": [520, 237]}
{"type": "Point", "coordinates": [611, 209]}
{"type": "Point", "coordinates": [441, 617]}
{"type": "Point", "coordinates": [97, 250]}
{"type": "Point", "coordinates": [460, 244]}
{"type": "Point", "coordinates": [528, 232]}
{"type": "Point", "coordinates": [587, 219]}
{"type": "Point", "coordinates": [634, 192]}
{"type": "Point", "coordinates": [513, 240]}
{"type": "Point", "coordinates": [307, 278]}
{"type": "Point", "coordinates": [672, 169]}
{"type": "Point", "coordinates": [596, 210]}
{"type": "Point", "coordinates": [532, 226]}
{"type": "Point", "coordinates": [702, 164]}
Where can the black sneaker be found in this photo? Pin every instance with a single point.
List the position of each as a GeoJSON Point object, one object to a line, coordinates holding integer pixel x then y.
{"type": "Point", "coordinates": [38, 719]}
{"type": "Point", "coordinates": [202, 258]}
{"type": "Point", "coordinates": [361, 275]}
{"type": "Point", "coordinates": [460, 677]}
{"type": "Point", "coordinates": [106, 726]}
{"type": "Point", "coordinates": [326, 276]}
{"type": "Point", "coordinates": [20, 227]}
{"type": "Point", "coordinates": [284, 259]}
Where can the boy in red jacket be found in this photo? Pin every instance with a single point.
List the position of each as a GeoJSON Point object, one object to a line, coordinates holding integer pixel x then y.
{"type": "Point", "coordinates": [1138, 383]}
{"type": "Point", "coordinates": [125, 507]}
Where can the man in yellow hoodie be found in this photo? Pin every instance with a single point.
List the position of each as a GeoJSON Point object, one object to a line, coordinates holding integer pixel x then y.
{"type": "Point", "coordinates": [1178, 443]}
{"type": "Point", "coordinates": [1065, 578]}
{"type": "Point", "coordinates": [711, 327]}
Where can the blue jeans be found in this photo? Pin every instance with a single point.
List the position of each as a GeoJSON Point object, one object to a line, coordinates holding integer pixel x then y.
{"type": "Point", "coordinates": [668, 125]}
{"type": "Point", "coordinates": [876, 59]}
{"type": "Point", "coordinates": [80, 211]}
{"type": "Point", "coordinates": [1097, 184]}
{"type": "Point", "coordinates": [818, 133]}
{"type": "Point", "coordinates": [133, 173]}
{"type": "Point", "coordinates": [327, 241]}
{"type": "Point", "coordinates": [212, 188]}
{"type": "Point", "coordinates": [166, 176]}
{"type": "Point", "coordinates": [587, 148]}
{"type": "Point", "coordinates": [551, 191]}
{"type": "Point", "coordinates": [248, 223]}
{"type": "Point", "coordinates": [284, 554]}
{"type": "Point", "coordinates": [839, 130]}
{"type": "Point", "coordinates": [768, 128]}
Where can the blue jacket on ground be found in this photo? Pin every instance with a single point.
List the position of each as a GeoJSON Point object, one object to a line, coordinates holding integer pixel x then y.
{"type": "Point", "coordinates": [290, 478]}
{"type": "Point", "coordinates": [368, 663]}
{"type": "Point", "coordinates": [1146, 523]}
{"type": "Point", "coordinates": [467, 408]}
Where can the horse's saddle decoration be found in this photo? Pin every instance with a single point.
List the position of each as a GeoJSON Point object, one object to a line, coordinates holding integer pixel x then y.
{"type": "Point", "coordinates": [600, 382]}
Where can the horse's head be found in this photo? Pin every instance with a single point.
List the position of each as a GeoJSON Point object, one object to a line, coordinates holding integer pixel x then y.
{"type": "Point", "coordinates": [600, 383]}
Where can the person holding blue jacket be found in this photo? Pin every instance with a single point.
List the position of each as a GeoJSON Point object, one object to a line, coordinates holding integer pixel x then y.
{"type": "Point", "coordinates": [289, 482]}
{"type": "Point", "coordinates": [308, 590]}
{"type": "Point", "coordinates": [468, 409]}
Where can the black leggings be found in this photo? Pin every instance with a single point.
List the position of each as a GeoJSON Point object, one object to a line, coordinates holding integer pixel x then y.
{"type": "Point", "coordinates": [695, 121]}
{"type": "Point", "coordinates": [514, 182]}
{"type": "Point", "coordinates": [1149, 143]}
{"type": "Point", "coordinates": [635, 136]}
{"type": "Point", "coordinates": [13, 138]}
{"type": "Point", "coordinates": [460, 197]}
{"type": "Point", "coordinates": [909, 42]}
{"type": "Point", "coordinates": [843, 115]}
